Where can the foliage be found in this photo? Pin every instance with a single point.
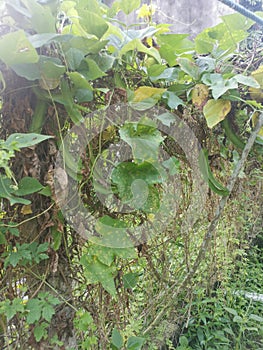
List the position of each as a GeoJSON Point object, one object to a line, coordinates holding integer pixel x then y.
{"type": "Point", "coordinates": [62, 68]}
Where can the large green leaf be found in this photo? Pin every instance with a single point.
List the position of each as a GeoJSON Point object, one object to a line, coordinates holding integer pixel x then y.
{"type": "Point", "coordinates": [95, 272]}
{"type": "Point", "coordinates": [116, 339]}
{"type": "Point", "coordinates": [219, 85]}
{"type": "Point", "coordinates": [134, 185]}
{"type": "Point", "coordinates": [47, 69]}
{"type": "Point", "coordinates": [173, 101]}
{"type": "Point", "coordinates": [41, 17]}
{"type": "Point", "coordinates": [86, 45]}
{"type": "Point", "coordinates": [74, 57]}
{"type": "Point", "coordinates": [28, 185]}
{"type": "Point", "coordinates": [15, 48]}
{"type": "Point", "coordinates": [107, 254]}
{"type": "Point", "coordinates": [135, 343]}
{"type": "Point", "coordinates": [90, 69]}
{"type": "Point", "coordinates": [136, 45]}
{"type": "Point", "coordinates": [144, 139]}
{"type": "Point", "coordinates": [7, 191]}
{"type": "Point", "coordinates": [225, 35]}
{"type": "Point", "coordinates": [25, 140]}
{"type": "Point", "coordinates": [113, 233]}
{"type": "Point", "coordinates": [127, 6]}
{"type": "Point", "coordinates": [174, 45]}
{"type": "Point", "coordinates": [93, 23]}
{"type": "Point", "coordinates": [130, 280]}
{"type": "Point", "coordinates": [189, 67]}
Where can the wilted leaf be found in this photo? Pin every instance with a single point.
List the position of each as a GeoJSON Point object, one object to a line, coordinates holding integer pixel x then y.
{"type": "Point", "coordinates": [26, 209]}
{"type": "Point", "coordinates": [257, 93]}
{"type": "Point", "coordinates": [199, 95]}
{"type": "Point", "coordinates": [254, 122]}
{"type": "Point", "coordinates": [144, 92]}
{"type": "Point", "coordinates": [215, 111]}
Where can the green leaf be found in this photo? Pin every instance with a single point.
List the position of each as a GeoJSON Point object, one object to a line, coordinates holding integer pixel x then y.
{"type": "Point", "coordinates": [245, 80]}
{"type": "Point", "coordinates": [174, 45]}
{"type": "Point", "coordinates": [47, 312]}
{"type": "Point", "coordinates": [231, 311]}
{"type": "Point", "coordinates": [168, 75]}
{"type": "Point", "coordinates": [256, 318]}
{"type": "Point", "coordinates": [93, 23]}
{"type": "Point", "coordinates": [134, 185]}
{"type": "Point", "coordinates": [50, 72]}
{"type": "Point", "coordinates": [40, 331]}
{"type": "Point", "coordinates": [79, 81]}
{"type": "Point", "coordinates": [74, 57]}
{"type": "Point", "coordinates": [238, 319]}
{"type": "Point", "coordinates": [14, 307]}
{"type": "Point", "coordinates": [38, 40]}
{"type": "Point", "coordinates": [104, 61]}
{"type": "Point", "coordinates": [28, 185]}
{"type": "Point", "coordinates": [113, 233]}
{"type": "Point", "coordinates": [106, 254]}
{"type": "Point", "coordinates": [7, 190]}
{"type": "Point", "coordinates": [183, 342]}
{"type": "Point", "coordinates": [116, 339]}
{"type": "Point", "coordinates": [215, 111]}
{"type": "Point", "coordinates": [143, 138]}
{"type": "Point", "coordinates": [218, 84]}
{"type": "Point", "coordinates": [135, 343]}
{"type": "Point", "coordinates": [173, 165]}
{"type": "Point", "coordinates": [189, 67]}
{"type": "Point", "coordinates": [15, 48]}
{"type": "Point", "coordinates": [89, 69]}
{"type": "Point", "coordinates": [237, 21]}
{"type": "Point", "coordinates": [46, 191]}
{"type": "Point", "coordinates": [86, 45]}
{"type": "Point", "coordinates": [173, 101]}
{"type": "Point", "coordinates": [136, 45]}
{"type": "Point", "coordinates": [130, 280]}
{"type": "Point", "coordinates": [155, 70]}
{"type": "Point", "coordinates": [25, 140]}
{"type": "Point", "coordinates": [33, 307]}
{"type": "Point", "coordinates": [166, 118]}
{"type": "Point", "coordinates": [57, 238]}
{"type": "Point", "coordinates": [95, 272]}
{"type": "Point", "coordinates": [127, 6]}
{"type": "Point", "coordinates": [41, 17]}
{"type": "Point", "coordinates": [2, 238]}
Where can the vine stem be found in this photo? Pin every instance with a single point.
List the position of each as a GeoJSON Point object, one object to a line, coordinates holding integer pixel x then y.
{"type": "Point", "coordinates": [212, 227]}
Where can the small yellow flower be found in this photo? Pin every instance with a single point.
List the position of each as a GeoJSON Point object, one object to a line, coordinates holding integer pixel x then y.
{"type": "Point", "coordinates": [146, 11]}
